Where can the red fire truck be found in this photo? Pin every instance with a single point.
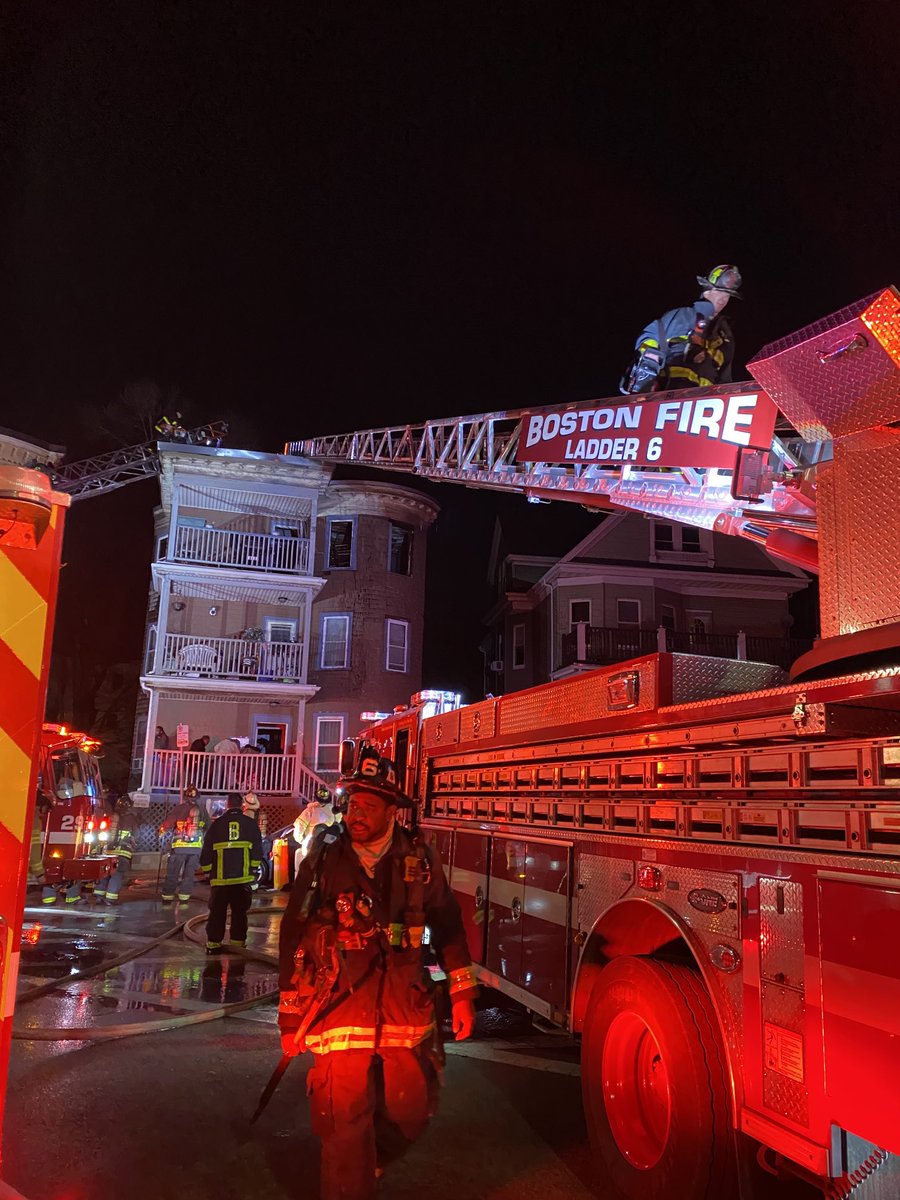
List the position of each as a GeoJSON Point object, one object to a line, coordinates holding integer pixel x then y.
{"type": "Point", "coordinates": [71, 827]}
{"type": "Point", "coordinates": [690, 862]}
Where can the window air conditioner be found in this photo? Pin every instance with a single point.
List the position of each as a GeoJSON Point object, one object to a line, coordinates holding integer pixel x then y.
{"type": "Point", "coordinates": [497, 665]}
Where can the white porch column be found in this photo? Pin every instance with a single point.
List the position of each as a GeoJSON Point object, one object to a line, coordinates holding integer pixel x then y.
{"type": "Point", "coordinates": [661, 638]}
{"type": "Point", "coordinates": [306, 626]}
{"type": "Point", "coordinates": [581, 641]}
{"type": "Point", "coordinates": [150, 737]}
{"type": "Point", "coordinates": [298, 748]}
{"type": "Point", "coordinates": [742, 645]}
{"type": "Point", "coordinates": [162, 625]}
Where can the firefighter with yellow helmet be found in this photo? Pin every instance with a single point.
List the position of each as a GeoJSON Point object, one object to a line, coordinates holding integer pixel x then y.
{"type": "Point", "coordinates": [692, 346]}
{"type": "Point", "coordinates": [188, 822]}
{"type": "Point", "coordinates": [354, 988]}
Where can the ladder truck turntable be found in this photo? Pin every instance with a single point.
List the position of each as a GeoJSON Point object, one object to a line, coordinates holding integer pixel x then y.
{"type": "Point", "coordinates": [691, 862]}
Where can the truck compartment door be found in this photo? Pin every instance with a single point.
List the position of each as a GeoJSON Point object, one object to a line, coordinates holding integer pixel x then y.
{"type": "Point", "coordinates": [506, 909]}
{"type": "Point", "coordinates": [545, 921]}
{"type": "Point", "coordinates": [859, 933]}
{"type": "Point", "coordinates": [469, 883]}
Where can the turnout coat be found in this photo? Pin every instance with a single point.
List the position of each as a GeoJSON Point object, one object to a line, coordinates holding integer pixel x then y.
{"type": "Point", "coordinates": [380, 997]}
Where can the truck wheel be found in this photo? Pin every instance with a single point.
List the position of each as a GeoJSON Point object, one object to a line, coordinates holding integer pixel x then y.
{"type": "Point", "coordinates": [654, 1084]}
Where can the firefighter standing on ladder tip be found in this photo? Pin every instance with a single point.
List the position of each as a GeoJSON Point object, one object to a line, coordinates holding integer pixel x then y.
{"type": "Point", "coordinates": [688, 347]}
{"type": "Point", "coordinates": [354, 983]}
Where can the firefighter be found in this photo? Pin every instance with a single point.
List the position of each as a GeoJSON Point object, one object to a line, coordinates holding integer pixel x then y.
{"type": "Point", "coordinates": [353, 982]}
{"type": "Point", "coordinates": [188, 822]}
{"type": "Point", "coordinates": [688, 347]}
{"type": "Point", "coordinates": [122, 847]}
{"type": "Point", "coordinates": [317, 814]}
{"type": "Point", "coordinates": [231, 858]}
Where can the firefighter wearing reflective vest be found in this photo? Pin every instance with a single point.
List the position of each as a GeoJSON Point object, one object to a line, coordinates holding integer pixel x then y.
{"type": "Point", "coordinates": [122, 847]}
{"type": "Point", "coordinates": [188, 823]}
{"type": "Point", "coordinates": [231, 858]}
{"type": "Point", "coordinates": [688, 347]}
{"type": "Point", "coordinates": [354, 988]}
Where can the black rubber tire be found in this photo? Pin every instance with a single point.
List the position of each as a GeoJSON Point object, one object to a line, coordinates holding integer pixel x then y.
{"type": "Point", "coordinates": [697, 1160]}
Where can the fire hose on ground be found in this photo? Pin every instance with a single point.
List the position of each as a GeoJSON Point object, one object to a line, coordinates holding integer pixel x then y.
{"type": "Point", "coordinates": [158, 1025]}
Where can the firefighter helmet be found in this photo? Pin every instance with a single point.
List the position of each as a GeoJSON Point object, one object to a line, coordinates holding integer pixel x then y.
{"type": "Point", "coordinates": [374, 774]}
{"type": "Point", "coordinates": [724, 278]}
{"type": "Point", "coordinates": [250, 804]}
{"type": "Point", "coordinates": [190, 792]}
{"type": "Point", "coordinates": [123, 803]}
{"type": "Point", "coordinates": [323, 794]}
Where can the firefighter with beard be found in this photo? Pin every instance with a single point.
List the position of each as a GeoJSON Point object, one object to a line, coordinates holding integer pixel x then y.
{"type": "Point", "coordinates": [354, 985]}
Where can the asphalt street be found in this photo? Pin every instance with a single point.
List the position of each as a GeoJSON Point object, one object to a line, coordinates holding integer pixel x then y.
{"type": "Point", "coordinates": [166, 1114]}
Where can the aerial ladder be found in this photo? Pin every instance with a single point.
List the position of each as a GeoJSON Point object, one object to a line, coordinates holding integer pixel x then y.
{"type": "Point", "coordinates": [764, 458]}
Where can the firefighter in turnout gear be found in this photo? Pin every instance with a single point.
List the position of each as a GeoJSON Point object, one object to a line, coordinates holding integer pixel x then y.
{"type": "Point", "coordinates": [188, 823]}
{"type": "Point", "coordinates": [688, 347]}
{"type": "Point", "coordinates": [123, 848]}
{"type": "Point", "coordinates": [354, 987]}
{"type": "Point", "coordinates": [231, 858]}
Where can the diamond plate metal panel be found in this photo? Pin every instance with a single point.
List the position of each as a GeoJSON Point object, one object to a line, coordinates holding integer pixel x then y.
{"type": "Point", "coordinates": [679, 882]}
{"type": "Point", "coordinates": [838, 376]}
{"type": "Point", "coordinates": [573, 700]}
{"type": "Point", "coordinates": [781, 932]}
{"type": "Point", "coordinates": [695, 677]}
{"type": "Point", "coordinates": [442, 730]}
{"type": "Point", "coordinates": [789, 1097]}
{"type": "Point", "coordinates": [478, 720]}
{"type": "Point", "coordinates": [859, 551]}
{"type": "Point", "coordinates": [600, 883]}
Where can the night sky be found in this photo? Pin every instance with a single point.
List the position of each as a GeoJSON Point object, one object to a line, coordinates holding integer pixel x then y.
{"type": "Point", "coordinates": [320, 216]}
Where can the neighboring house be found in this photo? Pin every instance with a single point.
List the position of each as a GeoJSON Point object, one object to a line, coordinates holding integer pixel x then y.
{"type": "Point", "coordinates": [630, 587]}
{"type": "Point", "coordinates": [282, 606]}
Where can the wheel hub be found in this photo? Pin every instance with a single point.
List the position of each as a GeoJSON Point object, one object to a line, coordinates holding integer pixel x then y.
{"type": "Point", "coordinates": [636, 1090]}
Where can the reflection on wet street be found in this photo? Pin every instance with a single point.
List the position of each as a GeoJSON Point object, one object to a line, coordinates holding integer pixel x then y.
{"type": "Point", "coordinates": [172, 978]}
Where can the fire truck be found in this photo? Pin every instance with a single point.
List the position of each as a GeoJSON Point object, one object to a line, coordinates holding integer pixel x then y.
{"type": "Point", "coordinates": [694, 863]}
{"type": "Point", "coordinates": [71, 827]}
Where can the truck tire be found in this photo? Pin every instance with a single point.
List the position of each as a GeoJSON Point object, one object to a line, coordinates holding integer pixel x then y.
{"type": "Point", "coordinates": [654, 1084]}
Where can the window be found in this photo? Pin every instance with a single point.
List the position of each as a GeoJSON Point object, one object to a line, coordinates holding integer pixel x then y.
{"type": "Point", "coordinates": [278, 630]}
{"type": "Point", "coordinates": [329, 735]}
{"type": "Point", "coordinates": [396, 636]}
{"type": "Point", "coordinates": [281, 529]}
{"type": "Point", "coordinates": [579, 610]}
{"type": "Point", "coordinates": [340, 553]}
{"type": "Point", "coordinates": [680, 539]}
{"type": "Point", "coordinates": [150, 653]}
{"type": "Point", "coordinates": [628, 613]}
{"type": "Point", "coordinates": [518, 647]}
{"type": "Point", "coordinates": [162, 546]}
{"type": "Point", "coordinates": [335, 641]}
{"type": "Point", "coordinates": [667, 617]}
{"type": "Point", "coordinates": [400, 549]}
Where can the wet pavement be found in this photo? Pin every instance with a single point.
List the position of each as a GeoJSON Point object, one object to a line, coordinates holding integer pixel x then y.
{"type": "Point", "coordinates": [165, 1115]}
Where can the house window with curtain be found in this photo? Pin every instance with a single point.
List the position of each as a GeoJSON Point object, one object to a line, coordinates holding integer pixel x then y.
{"type": "Point", "coordinates": [340, 544]}
{"type": "Point", "coordinates": [396, 645]}
{"type": "Point", "coordinates": [329, 735]}
{"type": "Point", "coordinates": [334, 641]}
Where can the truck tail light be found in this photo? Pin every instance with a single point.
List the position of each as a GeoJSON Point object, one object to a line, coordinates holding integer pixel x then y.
{"type": "Point", "coordinates": [103, 835]}
{"type": "Point", "coordinates": [649, 878]}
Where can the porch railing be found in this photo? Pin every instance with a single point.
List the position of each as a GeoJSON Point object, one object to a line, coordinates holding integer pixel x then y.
{"type": "Point", "coordinates": [230, 658]}
{"type": "Point", "coordinates": [232, 548]}
{"type": "Point", "coordinates": [601, 647]}
{"type": "Point", "coordinates": [272, 774]}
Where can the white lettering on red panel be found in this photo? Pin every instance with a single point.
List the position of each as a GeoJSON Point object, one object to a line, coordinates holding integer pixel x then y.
{"type": "Point", "coordinates": [705, 431]}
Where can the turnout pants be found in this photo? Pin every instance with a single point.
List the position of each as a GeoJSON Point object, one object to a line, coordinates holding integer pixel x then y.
{"type": "Point", "coordinates": [116, 881]}
{"type": "Point", "coordinates": [237, 897]}
{"type": "Point", "coordinates": [367, 1108]}
{"type": "Point", "coordinates": [180, 869]}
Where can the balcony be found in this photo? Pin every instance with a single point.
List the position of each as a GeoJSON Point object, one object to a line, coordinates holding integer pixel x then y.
{"type": "Point", "coordinates": [232, 548]}
{"type": "Point", "coordinates": [195, 657]}
{"type": "Point", "coordinates": [269, 774]}
{"type": "Point", "coordinates": [605, 646]}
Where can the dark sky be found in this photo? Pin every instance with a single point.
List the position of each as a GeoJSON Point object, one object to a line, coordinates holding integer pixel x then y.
{"type": "Point", "coordinates": [320, 216]}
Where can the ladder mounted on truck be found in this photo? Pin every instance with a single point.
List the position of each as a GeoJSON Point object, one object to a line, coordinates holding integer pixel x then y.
{"type": "Point", "coordinates": [766, 495]}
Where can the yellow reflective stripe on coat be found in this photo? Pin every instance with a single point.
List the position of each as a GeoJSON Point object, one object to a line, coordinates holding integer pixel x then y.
{"type": "Point", "coordinates": [368, 1037]}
